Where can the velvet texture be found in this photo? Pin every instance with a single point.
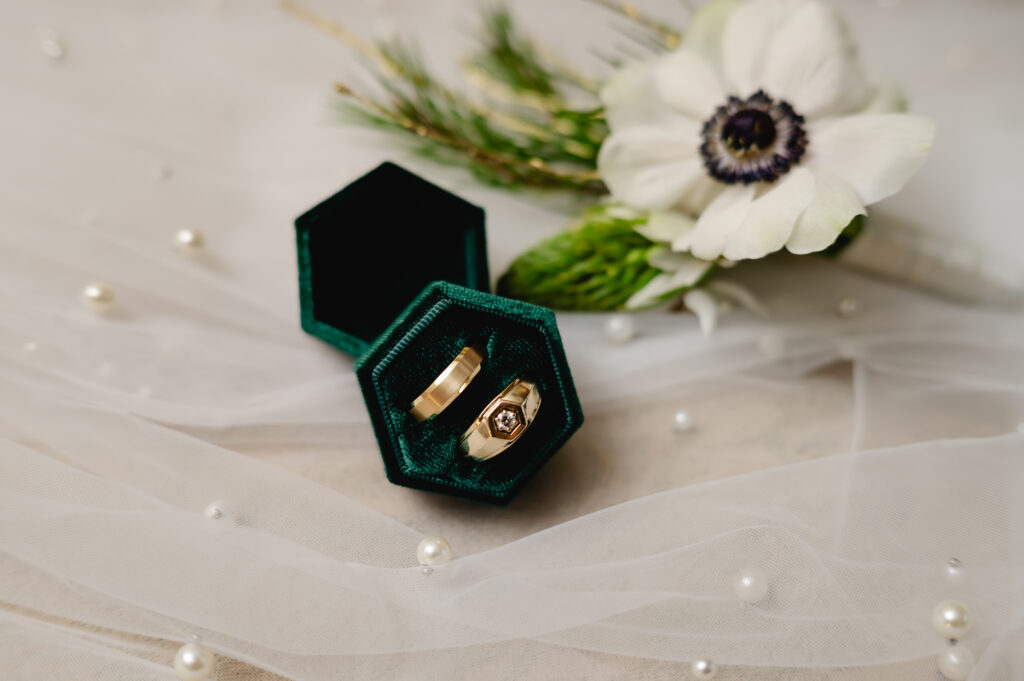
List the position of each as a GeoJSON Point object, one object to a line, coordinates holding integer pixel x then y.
{"type": "Point", "coordinates": [397, 233]}
{"type": "Point", "coordinates": [520, 340]}
{"type": "Point", "coordinates": [390, 230]}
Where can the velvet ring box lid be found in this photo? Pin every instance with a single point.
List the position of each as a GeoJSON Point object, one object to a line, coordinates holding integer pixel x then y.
{"type": "Point", "coordinates": [393, 270]}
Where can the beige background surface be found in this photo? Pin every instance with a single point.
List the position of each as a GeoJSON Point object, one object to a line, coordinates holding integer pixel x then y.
{"type": "Point", "coordinates": [230, 104]}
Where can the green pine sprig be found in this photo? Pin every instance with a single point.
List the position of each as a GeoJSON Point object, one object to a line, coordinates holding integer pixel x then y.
{"type": "Point", "coordinates": [529, 122]}
{"type": "Point", "coordinates": [516, 131]}
{"type": "Point", "coordinates": [510, 57]}
{"type": "Point", "coordinates": [597, 265]}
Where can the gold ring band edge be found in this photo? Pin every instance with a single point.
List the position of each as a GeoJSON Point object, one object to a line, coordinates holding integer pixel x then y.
{"type": "Point", "coordinates": [448, 385]}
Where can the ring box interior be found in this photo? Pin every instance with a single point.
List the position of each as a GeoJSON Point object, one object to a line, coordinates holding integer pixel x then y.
{"type": "Point", "coordinates": [393, 271]}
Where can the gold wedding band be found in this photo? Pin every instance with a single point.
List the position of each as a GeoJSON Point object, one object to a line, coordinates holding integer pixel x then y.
{"type": "Point", "coordinates": [502, 421]}
{"type": "Point", "coordinates": [448, 385]}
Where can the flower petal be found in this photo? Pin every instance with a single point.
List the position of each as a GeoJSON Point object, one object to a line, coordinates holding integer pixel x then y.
{"type": "Point", "coordinates": [812, 63]}
{"type": "Point", "coordinates": [684, 239]}
{"type": "Point", "coordinates": [631, 98]}
{"type": "Point", "coordinates": [745, 221]}
{"type": "Point", "coordinates": [689, 84]}
{"type": "Point", "coordinates": [834, 205]}
{"type": "Point", "coordinates": [703, 35]}
{"type": "Point", "coordinates": [689, 271]}
{"type": "Point", "coordinates": [651, 168]}
{"type": "Point", "coordinates": [736, 292]}
{"type": "Point", "coordinates": [747, 38]}
{"type": "Point", "coordinates": [666, 227]}
{"type": "Point", "coordinates": [875, 153]}
{"type": "Point", "coordinates": [670, 261]}
{"type": "Point", "coordinates": [772, 217]}
{"type": "Point", "coordinates": [704, 306]}
{"type": "Point", "coordinates": [699, 194]}
{"type": "Point", "coordinates": [720, 219]}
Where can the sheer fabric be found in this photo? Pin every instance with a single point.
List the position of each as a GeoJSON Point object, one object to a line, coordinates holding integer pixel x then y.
{"type": "Point", "coordinates": [848, 459]}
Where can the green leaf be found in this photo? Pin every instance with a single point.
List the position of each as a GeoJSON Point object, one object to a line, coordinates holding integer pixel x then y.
{"type": "Point", "coordinates": [596, 266]}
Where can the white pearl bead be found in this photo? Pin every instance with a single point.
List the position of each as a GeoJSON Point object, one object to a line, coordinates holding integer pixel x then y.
{"type": "Point", "coordinates": [955, 572]}
{"type": "Point", "coordinates": [50, 43]}
{"type": "Point", "coordinates": [847, 306]}
{"type": "Point", "coordinates": [54, 49]}
{"type": "Point", "coordinates": [194, 662]}
{"type": "Point", "coordinates": [433, 551]}
{"type": "Point", "coordinates": [704, 669]}
{"type": "Point", "coordinates": [956, 663]}
{"type": "Point", "coordinates": [189, 241]}
{"type": "Point", "coordinates": [98, 297]}
{"type": "Point", "coordinates": [682, 421]}
{"type": "Point", "coordinates": [951, 619]}
{"type": "Point", "coordinates": [218, 510]}
{"type": "Point", "coordinates": [619, 329]}
{"type": "Point", "coordinates": [750, 585]}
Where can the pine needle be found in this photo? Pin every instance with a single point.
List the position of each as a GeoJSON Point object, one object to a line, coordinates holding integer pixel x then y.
{"type": "Point", "coordinates": [515, 129]}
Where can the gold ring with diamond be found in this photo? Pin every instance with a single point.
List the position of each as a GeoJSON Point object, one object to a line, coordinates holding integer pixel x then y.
{"type": "Point", "coordinates": [502, 422]}
{"type": "Point", "coordinates": [448, 385]}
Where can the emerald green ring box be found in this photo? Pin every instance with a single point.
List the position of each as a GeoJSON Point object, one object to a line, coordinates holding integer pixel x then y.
{"type": "Point", "coordinates": [393, 271]}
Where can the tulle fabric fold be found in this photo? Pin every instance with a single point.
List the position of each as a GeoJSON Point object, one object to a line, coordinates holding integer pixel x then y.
{"type": "Point", "coordinates": [108, 552]}
{"type": "Point", "coordinates": [848, 459]}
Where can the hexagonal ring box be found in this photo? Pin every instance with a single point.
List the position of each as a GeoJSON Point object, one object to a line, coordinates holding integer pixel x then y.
{"type": "Point", "coordinates": [393, 271]}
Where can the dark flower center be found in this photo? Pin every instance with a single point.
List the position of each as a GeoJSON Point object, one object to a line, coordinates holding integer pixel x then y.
{"type": "Point", "coordinates": [749, 131]}
{"type": "Point", "coordinates": [757, 139]}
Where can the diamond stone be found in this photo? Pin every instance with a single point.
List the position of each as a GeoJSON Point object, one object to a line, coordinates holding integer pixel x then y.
{"type": "Point", "coordinates": [506, 420]}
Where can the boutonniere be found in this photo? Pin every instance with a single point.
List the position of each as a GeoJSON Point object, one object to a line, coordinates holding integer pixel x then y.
{"type": "Point", "coordinates": [752, 131]}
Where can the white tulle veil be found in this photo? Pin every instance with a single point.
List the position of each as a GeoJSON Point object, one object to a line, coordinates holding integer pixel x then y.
{"type": "Point", "coordinates": [847, 459]}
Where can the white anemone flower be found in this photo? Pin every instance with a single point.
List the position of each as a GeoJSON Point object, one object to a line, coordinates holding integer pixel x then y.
{"type": "Point", "coordinates": [764, 126]}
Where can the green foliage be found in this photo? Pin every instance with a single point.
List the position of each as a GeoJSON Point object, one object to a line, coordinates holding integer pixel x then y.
{"type": "Point", "coordinates": [516, 130]}
{"type": "Point", "coordinates": [597, 265]}
{"type": "Point", "coordinates": [510, 57]}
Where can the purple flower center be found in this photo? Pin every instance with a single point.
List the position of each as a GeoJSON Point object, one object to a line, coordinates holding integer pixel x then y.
{"type": "Point", "coordinates": [757, 139]}
{"type": "Point", "coordinates": [749, 131]}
